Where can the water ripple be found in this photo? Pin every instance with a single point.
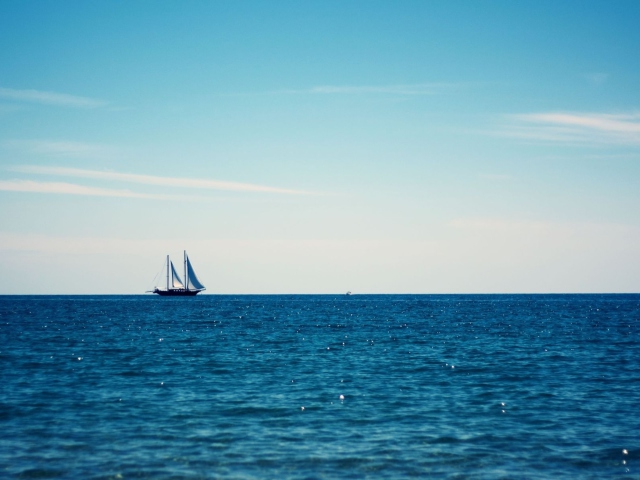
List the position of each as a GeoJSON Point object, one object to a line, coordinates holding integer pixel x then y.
{"type": "Point", "coordinates": [371, 386]}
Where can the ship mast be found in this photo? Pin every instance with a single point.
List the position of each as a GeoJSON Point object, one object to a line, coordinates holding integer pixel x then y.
{"type": "Point", "coordinates": [167, 273]}
{"type": "Point", "coordinates": [186, 277]}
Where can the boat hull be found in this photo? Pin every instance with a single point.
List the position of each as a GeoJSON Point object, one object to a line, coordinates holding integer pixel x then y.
{"type": "Point", "coordinates": [177, 292]}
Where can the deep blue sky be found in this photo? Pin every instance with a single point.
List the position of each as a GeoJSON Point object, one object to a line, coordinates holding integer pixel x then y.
{"type": "Point", "coordinates": [371, 146]}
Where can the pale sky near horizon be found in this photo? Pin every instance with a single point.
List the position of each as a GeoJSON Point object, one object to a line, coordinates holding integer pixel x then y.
{"type": "Point", "coordinates": [320, 147]}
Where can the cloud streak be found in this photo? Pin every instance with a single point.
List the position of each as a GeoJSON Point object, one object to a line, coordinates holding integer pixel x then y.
{"type": "Point", "coordinates": [410, 89]}
{"type": "Point", "coordinates": [496, 176]}
{"type": "Point", "coordinates": [63, 188]}
{"type": "Point", "coordinates": [571, 127]}
{"type": "Point", "coordinates": [50, 98]}
{"type": "Point", "coordinates": [177, 182]}
{"type": "Point", "coordinates": [62, 148]}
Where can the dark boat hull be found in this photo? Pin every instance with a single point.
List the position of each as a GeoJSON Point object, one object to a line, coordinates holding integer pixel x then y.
{"type": "Point", "coordinates": [177, 293]}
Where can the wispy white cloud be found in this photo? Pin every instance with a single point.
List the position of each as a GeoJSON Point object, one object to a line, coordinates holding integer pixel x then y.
{"type": "Point", "coordinates": [578, 128]}
{"type": "Point", "coordinates": [599, 122]}
{"type": "Point", "coordinates": [496, 176]}
{"type": "Point", "coordinates": [409, 89]}
{"type": "Point", "coordinates": [192, 183]}
{"type": "Point", "coordinates": [497, 224]}
{"type": "Point", "coordinates": [62, 148]}
{"type": "Point", "coordinates": [50, 98]}
{"type": "Point", "coordinates": [63, 188]}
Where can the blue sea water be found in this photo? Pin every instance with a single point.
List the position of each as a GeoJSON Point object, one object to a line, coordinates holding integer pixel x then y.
{"type": "Point", "coordinates": [366, 386]}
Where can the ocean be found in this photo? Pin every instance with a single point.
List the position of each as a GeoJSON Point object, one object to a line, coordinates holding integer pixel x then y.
{"type": "Point", "coordinates": [320, 386]}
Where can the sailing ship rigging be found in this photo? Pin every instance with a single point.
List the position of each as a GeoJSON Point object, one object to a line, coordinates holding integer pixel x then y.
{"type": "Point", "coordinates": [175, 286]}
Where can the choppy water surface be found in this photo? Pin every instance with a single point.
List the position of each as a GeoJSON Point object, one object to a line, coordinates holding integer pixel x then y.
{"type": "Point", "coordinates": [486, 386]}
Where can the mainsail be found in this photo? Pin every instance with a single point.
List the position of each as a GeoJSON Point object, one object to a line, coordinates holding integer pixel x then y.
{"type": "Point", "coordinates": [175, 278]}
{"type": "Point", "coordinates": [194, 283]}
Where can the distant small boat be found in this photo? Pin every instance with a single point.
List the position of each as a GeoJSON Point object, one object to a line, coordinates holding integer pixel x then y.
{"type": "Point", "coordinates": [175, 286]}
{"type": "Point", "coordinates": [349, 292]}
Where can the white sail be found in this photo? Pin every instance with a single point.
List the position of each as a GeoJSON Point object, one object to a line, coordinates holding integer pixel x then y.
{"type": "Point", "coordinates": [194, 283]}
{"type": "Point", "coordinates": [175, 278]}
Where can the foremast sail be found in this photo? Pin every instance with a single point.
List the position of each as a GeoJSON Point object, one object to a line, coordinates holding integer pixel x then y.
{"type": "Point", "coordinates": [192, 280]}
{"type": "Point", "coordinates": [176, 282]}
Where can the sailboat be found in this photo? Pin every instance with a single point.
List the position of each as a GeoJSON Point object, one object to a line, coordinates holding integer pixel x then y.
{"type": "Point", "coordinates": [175, 286]}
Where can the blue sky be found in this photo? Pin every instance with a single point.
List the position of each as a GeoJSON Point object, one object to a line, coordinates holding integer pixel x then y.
{"type": "Point", "coordinates": [320, 147]}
